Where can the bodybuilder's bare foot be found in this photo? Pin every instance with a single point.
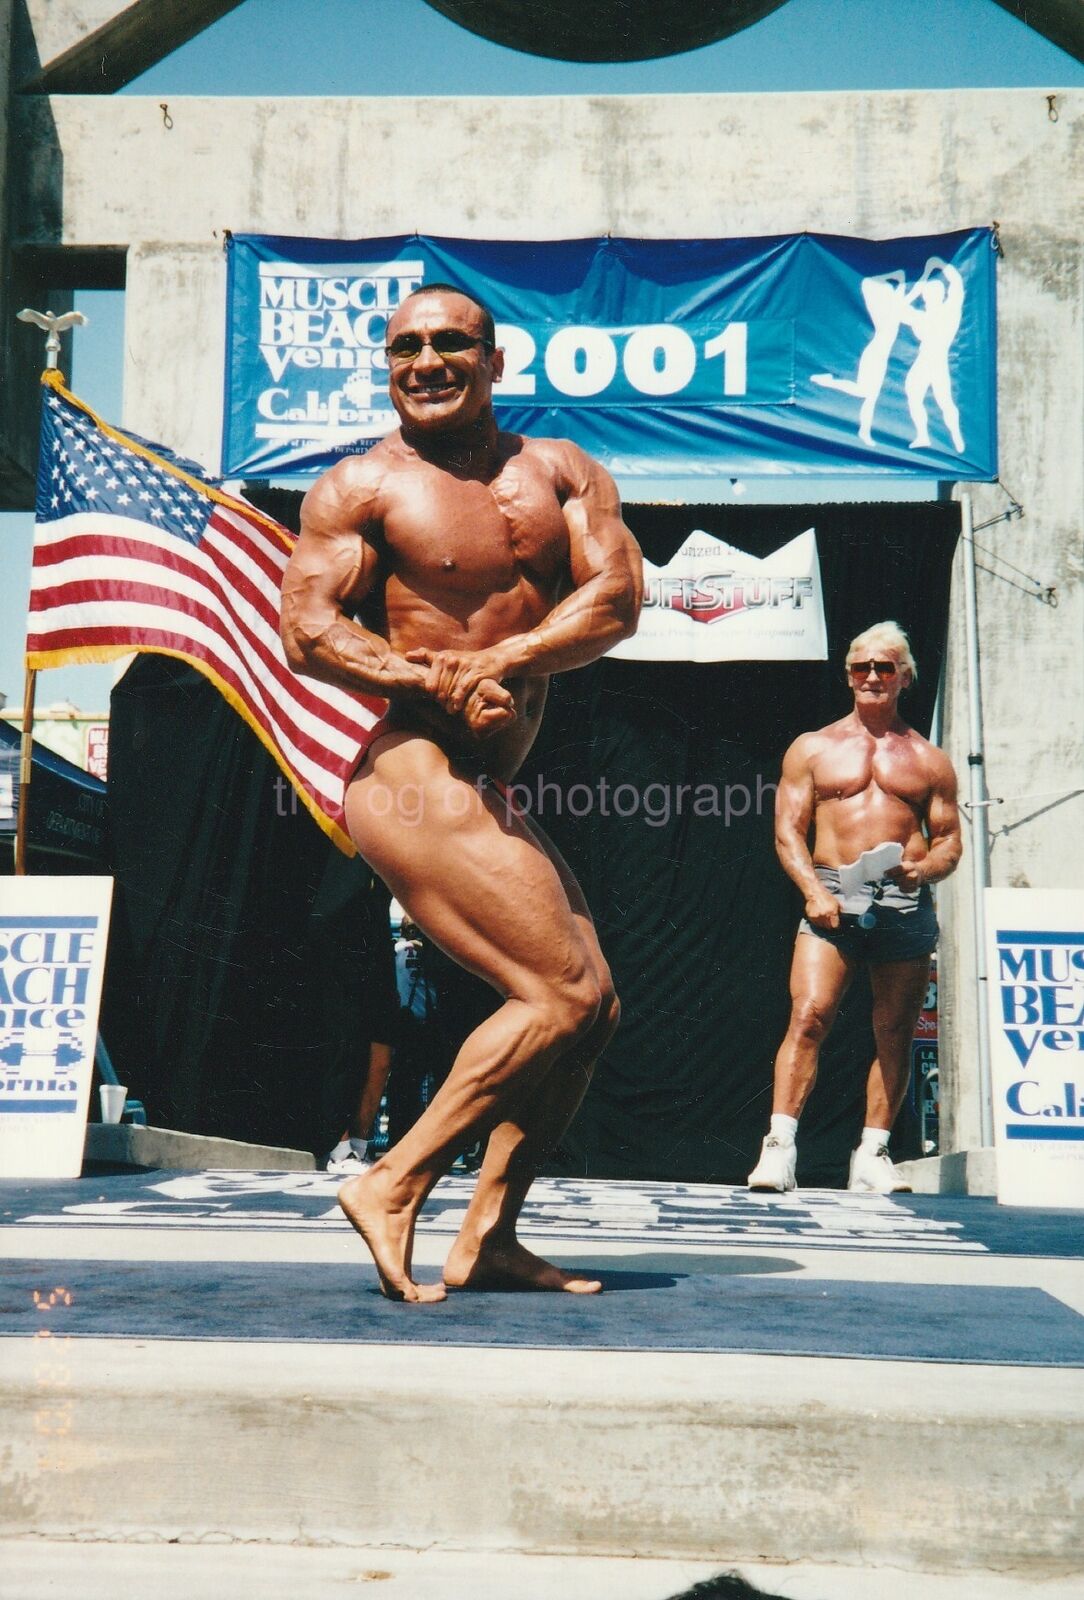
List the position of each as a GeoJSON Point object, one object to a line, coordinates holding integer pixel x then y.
{"type": "Point", "coordinates": [389, 1234]}
{"type": "Point", "coordinates": [510, 1266]}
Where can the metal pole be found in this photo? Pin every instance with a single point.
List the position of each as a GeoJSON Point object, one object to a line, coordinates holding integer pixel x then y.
{"type": "Point", "coordinates": [979, 808]}
{"type": "Point", "coordinates": [52, 326]}
{"type": "Point", "coordinates": [26, 767]}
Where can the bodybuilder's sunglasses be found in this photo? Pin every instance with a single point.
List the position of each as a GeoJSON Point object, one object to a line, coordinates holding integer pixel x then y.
{"type": "Point", "coordinates": [446, 342]}
{"type": "Point", "coordinates": [862, 669]}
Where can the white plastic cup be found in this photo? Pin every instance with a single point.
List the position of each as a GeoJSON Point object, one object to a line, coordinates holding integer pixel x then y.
{"type": "Point", "coordinates": [113, 1096]}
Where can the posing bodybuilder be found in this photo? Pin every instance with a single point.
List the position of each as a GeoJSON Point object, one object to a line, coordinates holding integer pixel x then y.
{"type": "Point", "coordinates": [477, 563]}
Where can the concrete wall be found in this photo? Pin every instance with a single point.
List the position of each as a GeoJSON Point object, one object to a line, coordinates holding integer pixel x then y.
{"type": "Point", "coordinates": [111, 172]}
{"type": "Point", "coordinates": [12, 484]}
{"type": "Point", "coordinates": [21, 284]}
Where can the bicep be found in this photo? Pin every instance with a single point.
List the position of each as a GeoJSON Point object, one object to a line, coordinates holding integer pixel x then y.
{"type": "Point", "coordinates": [335, 561]}
{"type": "Point", "coordinates": [942, 810]}
{"type": "Point", "coordinates": [599, 542]}
{"type": "Point", "coordinates": [794, 795]}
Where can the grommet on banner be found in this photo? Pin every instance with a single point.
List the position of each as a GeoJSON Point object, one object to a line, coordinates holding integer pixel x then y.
{"type": "Point", "coordinates": [995, 240]}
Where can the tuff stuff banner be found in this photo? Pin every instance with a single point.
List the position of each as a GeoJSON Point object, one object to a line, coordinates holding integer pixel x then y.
{"type": "Point", "coordinates": [714, 602]}
{"type": "Point", "coordinates": [802, 354]}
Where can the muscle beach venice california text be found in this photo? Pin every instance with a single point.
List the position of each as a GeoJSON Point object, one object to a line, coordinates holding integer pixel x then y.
{"type": "Point", "coordinates": [52, 960]}
{"type": "Point", "coordinates": [1035, 960]}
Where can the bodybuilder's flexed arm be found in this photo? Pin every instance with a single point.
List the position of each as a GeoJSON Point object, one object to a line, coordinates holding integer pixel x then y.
{"type": "Point", "coordinates": [942, 824]}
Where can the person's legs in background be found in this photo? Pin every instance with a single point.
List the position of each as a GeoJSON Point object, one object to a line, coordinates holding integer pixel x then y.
{"type": "Point", "coordinates": [352, 1151]}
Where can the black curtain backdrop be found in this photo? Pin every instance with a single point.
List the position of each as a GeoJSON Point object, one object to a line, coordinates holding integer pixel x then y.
{"type": "Point", "coordinates": [250, 960]}
{"type": "Point", "coordinates": [242, 984]}
{"type": "Point", "coordinates": [694, 913]}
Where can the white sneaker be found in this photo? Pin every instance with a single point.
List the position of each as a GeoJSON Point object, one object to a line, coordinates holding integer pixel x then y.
{"type": "Point", "coordinates": [872, 1172]}
{"type": "Point", "coordinates": [775, 1169]}
{"type": "Point", "coordinates": [349, 1165]}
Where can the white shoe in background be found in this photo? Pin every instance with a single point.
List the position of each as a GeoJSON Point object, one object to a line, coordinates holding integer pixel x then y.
{"type": "Point", "coordinates": [774, 1171]}
{"type": "Point", "coordinates": [872, 1172]}
{"type": "Point", "coordinates": [348, 1159]}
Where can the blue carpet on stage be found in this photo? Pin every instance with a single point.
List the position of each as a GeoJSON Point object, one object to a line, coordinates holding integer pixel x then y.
{"type": "Point", "coordinates": [771, 1314]}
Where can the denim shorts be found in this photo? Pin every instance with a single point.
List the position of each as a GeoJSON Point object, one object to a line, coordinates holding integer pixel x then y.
{"type": "Point", "coordinates": [905, 926]}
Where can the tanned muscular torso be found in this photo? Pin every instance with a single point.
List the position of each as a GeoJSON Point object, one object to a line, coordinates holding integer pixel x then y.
{"type": "Point", "coordinates": [464, 564]}
{"type": "Point", "coordinates": [867, 790]}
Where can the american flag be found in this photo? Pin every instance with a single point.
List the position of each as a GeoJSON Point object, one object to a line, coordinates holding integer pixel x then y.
{"type": "Point", "coordinates": [134, 552]}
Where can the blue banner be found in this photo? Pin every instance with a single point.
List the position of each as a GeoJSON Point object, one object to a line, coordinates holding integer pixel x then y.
{"type": "Point", "coordinates": [800, 355]}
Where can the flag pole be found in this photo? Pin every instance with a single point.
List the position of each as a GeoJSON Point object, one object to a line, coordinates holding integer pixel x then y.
{"type": "Point", "coordinates": [26, 768]}
{"type": "Point", "coordinates": [52, 326]}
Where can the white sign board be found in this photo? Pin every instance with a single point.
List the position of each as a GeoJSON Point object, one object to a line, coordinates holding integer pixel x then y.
{"type": "Point", "coordinates": [1035, 954]}
{"type": "Point", "coordinates": [53, 934]}
{"type": "Point", "coordinates": [714, 602]}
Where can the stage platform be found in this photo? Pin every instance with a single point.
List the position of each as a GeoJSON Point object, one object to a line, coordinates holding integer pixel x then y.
{"type": "Point", "coordinates": [818, 1381]}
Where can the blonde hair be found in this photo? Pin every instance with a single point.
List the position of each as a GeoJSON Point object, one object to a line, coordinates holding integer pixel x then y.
{"type": "Point", "coordinates": [890, 636]}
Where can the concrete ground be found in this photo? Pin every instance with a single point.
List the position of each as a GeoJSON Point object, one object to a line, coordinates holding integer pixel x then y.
{"type": "Point", "coordinates": [251, 1464]}
{"type": "Point", "coordinates": [37, 1570]}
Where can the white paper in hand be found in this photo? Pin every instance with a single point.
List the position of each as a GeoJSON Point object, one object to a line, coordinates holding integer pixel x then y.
{"type": "Point", "coordinates": [857, 877]}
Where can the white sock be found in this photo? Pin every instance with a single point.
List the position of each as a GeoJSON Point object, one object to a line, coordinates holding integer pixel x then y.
{"type": "Point", "coordinates": [359, 1147]}
{"type": "Point", "coordinates": [872, 1137]}
{"type": "Point", "coordinates": [783, 1127]}
{"type": "Point", "coordinates": [340, 1150]}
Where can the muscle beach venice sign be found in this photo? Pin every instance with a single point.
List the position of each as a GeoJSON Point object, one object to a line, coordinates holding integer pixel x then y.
{"type": "Point", "coordinates": [802, 354]}
{"type": "Point", "coordinates": [53, 934]}
{"type": "Point", "coordinates": [1035, 953]}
